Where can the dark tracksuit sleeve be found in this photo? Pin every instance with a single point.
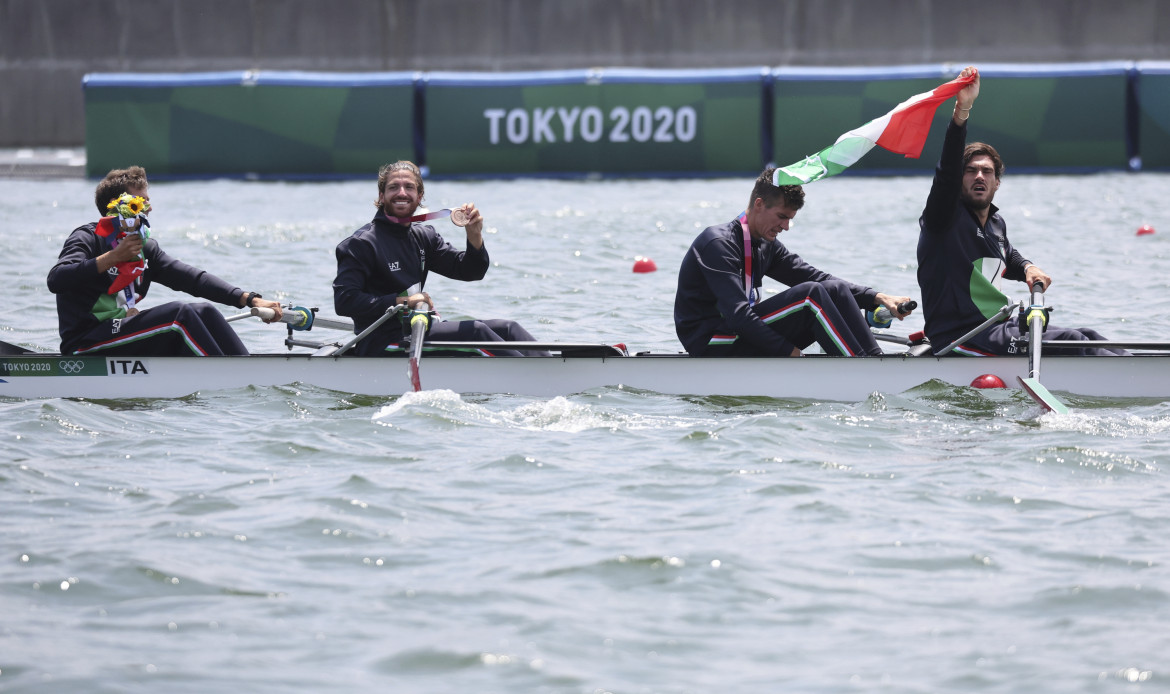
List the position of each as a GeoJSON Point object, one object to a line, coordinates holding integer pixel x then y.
{"type": "Point", "coordinates": [365, 288]}
{"type": "Point", "coordinates": [1015, 264]}
{"type": "Point", "coordinates": [77, 284]}
{"type": "Point", "coordinates": [720, 263]}
{"type": "Point", "coordinates": [943, 200]}
{"type": "Point", "coordinates": [174, 273]}
{"type": "Point", "coordinates": [76, 266]}
{"type": "Point", "coordinates": [350, 295]}
{"type": "Point", "coordinates": [790, 269]}
{"type": "Point", "coordinates": [469, 266]}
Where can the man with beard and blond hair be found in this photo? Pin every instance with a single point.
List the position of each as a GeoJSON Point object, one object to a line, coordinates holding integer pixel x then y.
{"type": "Point", "coordinates": [386, 262]}
{"type": "Point", "coordinates": [964, 252]}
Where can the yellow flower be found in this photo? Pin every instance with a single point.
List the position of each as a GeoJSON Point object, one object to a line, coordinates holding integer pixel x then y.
{"type": "Point", "coordinates": [127, 205]}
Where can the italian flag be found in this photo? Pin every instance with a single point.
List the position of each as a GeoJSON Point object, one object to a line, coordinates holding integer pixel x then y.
{"type": "Point", "coordinates": [902, 131]}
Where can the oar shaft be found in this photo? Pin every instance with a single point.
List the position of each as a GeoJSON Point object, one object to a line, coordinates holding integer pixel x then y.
{"type": "Point", "coordinates": [419, 322]}
{"type": "Point", "coordinates": [390, 312]}
{"type": "Point", "coordinates": [1116, 344]}
{"type": "Point", "coordinates": [291, 317]}
{"type": "Point", "coordinates": [1036, 319]}
{"type": "Point", "coordinates": [997, 318]}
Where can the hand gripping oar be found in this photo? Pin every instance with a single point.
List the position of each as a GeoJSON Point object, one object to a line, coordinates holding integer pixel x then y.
{"type": "Point", "coordinates": [1036, 318]}
{"type": "Point", "coordinates": [296, 317]}
{"type": "Point", "coordinates": [881, 317]}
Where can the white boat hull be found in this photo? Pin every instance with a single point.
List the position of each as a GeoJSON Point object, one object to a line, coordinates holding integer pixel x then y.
{"type": "Point", "coordinates": [813, 377]}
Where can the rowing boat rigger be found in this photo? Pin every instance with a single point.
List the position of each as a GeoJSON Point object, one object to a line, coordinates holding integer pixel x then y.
{"type": "Point", "coordinates": [571, 368]}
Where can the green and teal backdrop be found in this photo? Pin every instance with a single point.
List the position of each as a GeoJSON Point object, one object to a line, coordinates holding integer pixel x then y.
{"type": "Point", "coordinates": [1153, 98]}
{"type": "Point", "coordinates": [284, 124]}
{"type": "Point", "coordinates": [609, 122]}
{"type": "Point", "coordinates": [623, 122]}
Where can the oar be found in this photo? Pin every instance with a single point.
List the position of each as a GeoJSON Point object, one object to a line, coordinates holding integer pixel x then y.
{"type": "Point", "coordinates": [998, 317]}
{"type": "Point", "coordinates": [1035, 319]}
{"type": "Point", "coordinates": [420, 320]}
{"type": "Point", "coordinates": [1115, 344]}
{"type": "Point", "coordinates": [297, 317]}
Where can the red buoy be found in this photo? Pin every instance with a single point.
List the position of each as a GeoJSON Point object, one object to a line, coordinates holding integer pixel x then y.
{"type": "Point", "coordinates": [1145, 230]}
{"type": "Point", "coordinates": [644, 264]}
{"type": "Point", "coordinates": [988, 381]}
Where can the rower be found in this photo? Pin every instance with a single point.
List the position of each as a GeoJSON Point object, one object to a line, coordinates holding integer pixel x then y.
{"type": "Point", "coordinates": [964, 251]}
{"type": "Point", "coordinates": [381, 261]}
{"type": "Point", "coordinates": [717, 307]}
{"type": "Point", "coordinates": [106, 268]}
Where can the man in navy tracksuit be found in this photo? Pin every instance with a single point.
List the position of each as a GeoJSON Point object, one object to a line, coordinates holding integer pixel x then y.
{"type": "Point", "coordinates": [963, 249]}
{"type": "Point", "coordinates": [378, 266]}
{"type": "Point", "coordinates": [717, 311]}
{"type": "Point", "coordinates": [92, 320]}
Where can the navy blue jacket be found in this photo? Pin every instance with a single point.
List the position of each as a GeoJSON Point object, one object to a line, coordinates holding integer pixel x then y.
{"type": "Point", "coordinates": [82, 301]}
{"type": "Point", "coordinates": [957, 259]}
{"type": "Point", "coordinates": [383, 260]}
{"type": "Point", "coordinates": [711, 298]}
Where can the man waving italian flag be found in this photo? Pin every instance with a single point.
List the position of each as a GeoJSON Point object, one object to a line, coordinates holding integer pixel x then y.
{"type": "Point", "coordinates": [902, 131]}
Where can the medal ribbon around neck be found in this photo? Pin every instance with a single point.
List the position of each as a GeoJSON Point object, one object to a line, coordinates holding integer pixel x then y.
{"type": "Point", "coordinates": [748, 289]}
{"type": "Point", "coordinates": [458, 218]}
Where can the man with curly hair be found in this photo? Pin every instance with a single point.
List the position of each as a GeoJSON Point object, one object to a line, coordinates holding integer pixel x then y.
{"type": "Point", "coordinates": [380, 264]}
{"type": "Point", "coordinates": [717, 307]}
{"type": "Point", "coordinates": [93, 314]}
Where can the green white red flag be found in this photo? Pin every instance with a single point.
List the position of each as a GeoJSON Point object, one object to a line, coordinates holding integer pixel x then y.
{"type": "Point", "coordinates": [902, 131]}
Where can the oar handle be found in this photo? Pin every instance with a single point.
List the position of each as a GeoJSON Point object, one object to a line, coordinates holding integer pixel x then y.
{"type": "Point", "coordinates": [881, 317]}
{"type": "Point", "coordinates": [264, 314]}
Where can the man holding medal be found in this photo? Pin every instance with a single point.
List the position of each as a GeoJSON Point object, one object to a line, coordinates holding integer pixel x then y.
{"type": "Point", "coordinates": [717, 307]}
{"type": "Point", "coordinates": [386, 262]}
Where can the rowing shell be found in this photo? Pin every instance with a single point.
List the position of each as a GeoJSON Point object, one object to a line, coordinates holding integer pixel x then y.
{"type": "Point", "coordinates": [815, 377]}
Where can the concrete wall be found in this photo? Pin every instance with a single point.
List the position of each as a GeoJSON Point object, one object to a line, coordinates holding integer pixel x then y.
{"type": "Point", "coordinates": [46, 46]}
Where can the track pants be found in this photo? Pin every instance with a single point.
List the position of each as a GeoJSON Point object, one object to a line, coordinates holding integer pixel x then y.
{"type": "Point", "coordinates": [172, 329]}
{"type": "Point", "coordinates": [494, 330]}
{"type": "Point", "coordinates": [1005, 338]}
{"type": "Point", "coordinates": [821, 312]}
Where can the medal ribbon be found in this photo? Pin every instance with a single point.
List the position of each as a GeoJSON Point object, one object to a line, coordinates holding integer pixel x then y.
{"type": "Point", "coordinates": [407, 221]}
{"type": "Point", "coordinates": [748, 289]}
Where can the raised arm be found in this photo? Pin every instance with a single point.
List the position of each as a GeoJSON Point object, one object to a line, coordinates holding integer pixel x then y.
{"type": "Point", "coordinates": [965, 99]}
{"type": "Point", "coordinates": [948, 175]}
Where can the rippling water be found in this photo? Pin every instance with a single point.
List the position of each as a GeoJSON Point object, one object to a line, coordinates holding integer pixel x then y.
{"type": "Point", "coordinates": [298, 539]}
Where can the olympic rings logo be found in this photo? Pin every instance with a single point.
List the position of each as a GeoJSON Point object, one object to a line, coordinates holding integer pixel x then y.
{"type": "Point", "coordinates": [71, 367]}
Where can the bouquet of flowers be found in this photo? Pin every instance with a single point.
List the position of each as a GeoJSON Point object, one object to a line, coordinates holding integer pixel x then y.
{"type": "Point", "coordinates": [125, 217]}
